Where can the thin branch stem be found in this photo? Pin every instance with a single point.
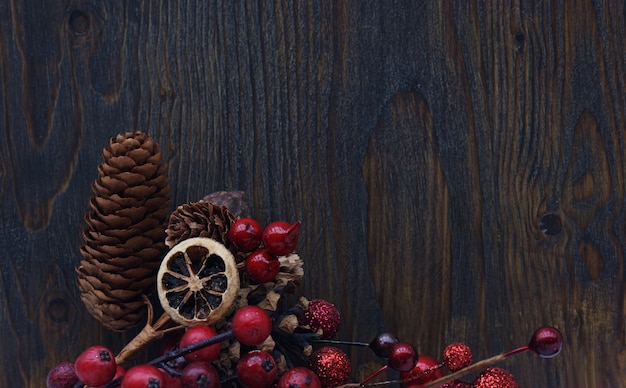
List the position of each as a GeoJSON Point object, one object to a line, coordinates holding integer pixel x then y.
{"type": "Point", "coordinates": [193, 347]}
{"type": "Point", "coordinates": [476, 367]}
{"type": "Point", "coordinates": [339, 342]}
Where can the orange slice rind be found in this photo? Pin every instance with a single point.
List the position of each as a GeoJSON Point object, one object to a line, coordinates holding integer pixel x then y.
{"type": "Point", "coordinates": [198, 281]}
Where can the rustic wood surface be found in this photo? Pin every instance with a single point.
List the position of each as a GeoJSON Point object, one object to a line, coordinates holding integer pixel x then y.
{"type": "Point", "coordinates": [458, 166]}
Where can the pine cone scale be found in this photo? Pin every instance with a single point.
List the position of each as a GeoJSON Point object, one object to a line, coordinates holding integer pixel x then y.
{"type": "Point", "coordinates": [112, 220]}
{"type": "Point", "coordinates": [130, 178]}
{"type": "Point", "coordinates": [135, 214]}
{"type": "Point", "coordinates": [107, 170]}
{"type": "Point", "coordinates": [122, 163]}
{"type": "Point", "coordinates": [140, 192]}
{"type": "Point", "coordinates": [104, 205]}
{"type": "Point", "coordinates": [139, 155]}
{"type": "Point", "coordinates": [96, 238]}
{"type": "Point", "coordinates": [147, 170]}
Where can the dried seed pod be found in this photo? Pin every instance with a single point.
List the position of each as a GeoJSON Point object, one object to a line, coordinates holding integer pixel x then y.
{"type": "Point", "coordinates": [235, 201]}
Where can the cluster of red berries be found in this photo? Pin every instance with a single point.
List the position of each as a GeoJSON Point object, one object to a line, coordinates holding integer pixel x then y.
{"type": "Point", "coordinates": [263, 246]}
{"type": "Point", "coordinates": [192, 355]}
{"type": "Point", "coordinates": [188, 362]}
{"type": "Point", "coordinates": [190, 359]}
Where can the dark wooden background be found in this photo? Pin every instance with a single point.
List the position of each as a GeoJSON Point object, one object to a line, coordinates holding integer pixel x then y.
{"type": "Point", "coordinates": [458, 166]}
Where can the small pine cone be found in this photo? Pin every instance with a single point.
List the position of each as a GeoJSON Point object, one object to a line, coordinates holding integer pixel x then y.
{"type": "Point", "coordinates": [201, 219]}
{"type": "Point", "coordinates": [124, 238]}
{"type": "Point", "coordinates": [235, 201]}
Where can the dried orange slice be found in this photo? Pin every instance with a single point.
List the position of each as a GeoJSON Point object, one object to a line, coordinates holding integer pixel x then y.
{"type": "Point", "coordinates": [198, 281]}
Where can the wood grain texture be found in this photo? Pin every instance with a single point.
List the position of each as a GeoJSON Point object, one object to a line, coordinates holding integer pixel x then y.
{"type": "Point", "coordinates": [458, 166]}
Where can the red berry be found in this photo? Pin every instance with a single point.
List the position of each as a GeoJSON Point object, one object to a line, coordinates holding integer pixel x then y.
{"type": "Point", "coordinates": [299, 377]}
{"type": "Point", "coordinates": [281, 238]}
{"type": "Point", "coordinates": [119, 372]}
{"type": "Point", "coordinates": [546, 342]}
{"type": "Point", "coordinates": [143, 376]}
{"type": "Point", "coordinates": [170, 381]}
{"type": "Point", "coordinates": [382, 343]}
{"type": "Point", "coordinates": [425, 370]}
{"type": "Point", "coordinates": [256, 369]}
{"type": "Point", "coordinates": [95, 366]}
{"type": "Point", "coordinates": [402, 356]}
{"type": "Point", "coordinates": [262, 266]}
{"type": "Point", "coordinates": [62, 375]}
{"type": "Point", "coordinates": [200, 374]}
{"type": "Point", "coordinates": [251, 325]}
{"type": "Point", "coordinates": [245, 234]}
{"type": "Point", "coordinates": [196, 334]}
{"type": "Point", "coordinates": [171, 343]}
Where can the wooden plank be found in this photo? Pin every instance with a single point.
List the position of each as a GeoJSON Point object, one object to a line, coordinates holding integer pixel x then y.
{"type": "Point", "coordinates": [458, 166]}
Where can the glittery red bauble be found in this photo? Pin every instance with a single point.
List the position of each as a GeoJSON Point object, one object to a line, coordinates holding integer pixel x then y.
{"type": "Point", "coordinates": [456, 384]}
{"type": "Point", "coordinates": [457, 356]}
{"type": "Point", "coordinates": [495, 378]}
{"type": "Point", "coordinates": [331, 365]}
{"type": "Point", "coordinates": [323, 315]}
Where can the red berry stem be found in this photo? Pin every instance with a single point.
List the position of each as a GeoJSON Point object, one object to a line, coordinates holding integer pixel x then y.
{"type": "Point", "coordinates": [368, 378]}
{"type": "Point", "coordinates": [476, 367]}
{"type": "Point", "coordinates": [521, 349]}
{"type": "Point", "coordinates": [169, 369]}
{"type": "Point", "coordinates": [339, 342]}
{"type": "Point", "coordinates": [115, 383]}
{"type": "Point", "coordinates": [228, 380]}
{"type": "Point", "coordinates": [287, 342]}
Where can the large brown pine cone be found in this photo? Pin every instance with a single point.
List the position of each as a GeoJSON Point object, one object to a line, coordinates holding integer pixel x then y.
{"type": "Point", "coordinates": [202, 219]}
{"type": "Point", "coordinates": [124, 241]}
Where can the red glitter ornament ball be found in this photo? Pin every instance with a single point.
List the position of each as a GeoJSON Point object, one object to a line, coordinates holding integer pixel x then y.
{"type": "Point", "coordinates": [495, 378]}
{"type": "Point", "coordinates": [322, 315]}
{"type": "Point", "coordinates": [331, 365]}
{"type": "Point", "coordinates": [457, 356]}
{"type": "Point", "coordinates": [456, 384]}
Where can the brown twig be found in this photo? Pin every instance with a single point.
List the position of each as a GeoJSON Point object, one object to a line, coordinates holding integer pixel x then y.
{"type": "Point", "coordinates": [149, 333]}
{"type": "Point", "coordinates": [478, 366]}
